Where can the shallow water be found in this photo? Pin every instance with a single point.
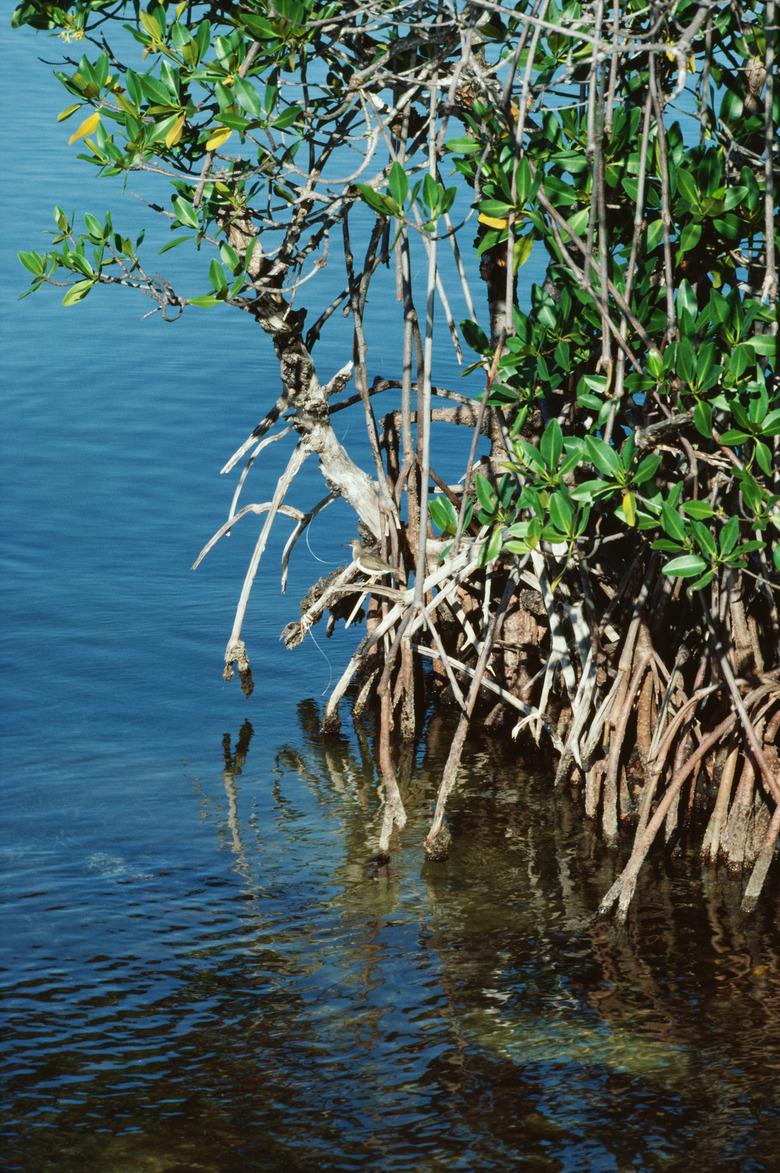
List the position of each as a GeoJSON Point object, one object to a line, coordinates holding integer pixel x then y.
{"type": "Point", "coordinates": [202, 968]}
{"type": "Point", "coordinates": [219, 978]}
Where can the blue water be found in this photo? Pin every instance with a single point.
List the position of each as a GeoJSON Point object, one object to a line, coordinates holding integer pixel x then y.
{"type": "Point", "coordinates": [202, 969]}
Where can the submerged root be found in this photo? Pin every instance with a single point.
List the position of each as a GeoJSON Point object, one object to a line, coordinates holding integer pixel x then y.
{"type": "Point", "coordinates": [646, 747]}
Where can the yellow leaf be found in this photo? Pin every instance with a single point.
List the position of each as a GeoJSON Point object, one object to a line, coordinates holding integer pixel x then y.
{"type": "Point", "coordinates": [87, 127]}
{"type": "Point", "coordinates": [220, 136]}
{"type": "Point", "coordinates": [492, 221]}
{"type": "Point", "coordinates": [691, 61]}
{"type": "Point", "coordinates": [629, 508]}
{"type": "Point", "coordinates": [174, 134]}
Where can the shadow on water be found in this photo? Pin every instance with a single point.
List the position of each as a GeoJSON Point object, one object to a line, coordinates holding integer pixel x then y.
{"type": "Point", "coordinates": [290, 1004]}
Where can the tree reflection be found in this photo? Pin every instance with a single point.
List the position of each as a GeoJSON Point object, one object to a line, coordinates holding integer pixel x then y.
{"type": "Point", "coordinates": [492, 965]}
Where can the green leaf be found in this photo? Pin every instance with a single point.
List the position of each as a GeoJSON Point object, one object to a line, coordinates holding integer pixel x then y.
{"type": "Point", "coordinates": [490, 240]}
{"type": "Point", "coordinates": [672, 523]}
{"type": "Point", "coordinates": [770, 425]}
{"type": "Point", "coordinates": [443, 514]}
{"type": "Point", "coordinates": [655, 364]}
{"type": "Point", "coordinates": [686, 566]}
{"type": "Point", "coordinates": [764, 457]}
{"type": "Point", "coordinates": [495, 209]}
{"type": "Point", "coordinates": [710, 172]}
{"type": "Point", "coordinates": [733, 197]}
{"type": "Point", "coordinates": [551, 445]}
{"type": "Point", "coordinates": [475, 337]}
{"type": "Point", "coordinates": [66, 113]}
{"type": "Point", "coordinates": [545, 308]}
{"type": "Point", "coordinates": [217, 275]}
{"type": "Point", "coordinates": [377, 202]}
{"type": "Point", "coordinates": [248, 98]}
{"type": "Point", "coordinates": [523, 181]}
{"type": "Point", "coordinates": [751, 491]}
{"type": "Point", "coordinates": [229, 256]}
{"type": "Point", "coordinates": [398, 183]}
{"type": "Point", "coordinates": [203, 37]}
{"type": "Point", "coordinates": [588, 490]}
{"type": "Point", "coordinates": [203, 302]}
{"type": "Point", "coordinates": [702, 582]}
{"type": "Point", "coordinates": [699, 509]}
{"type": "Point", "coordinates": [729, 226]}
{"type": "Point", "coordinates": [597, 383]}
{"type": "Point", "coordinates": [238, 284]}
{"type": "Point", "coordinates": [765, 344]}
{"type": "Point", "coordinates": [561, 513]}
{"type": "Point", "coordinates": [77, 292]}
{"type": "Point", "coordinates": [666, 546]}
{"type": "Point", "coordinates": [173, 243]}
{"type": "Point", "coordinates": [530, 456]}
{"type": "Point", "coordinates": [485, 494]}
{"type": "Point", "coordinates": [492, 549]}
{"type": "Point", "coordinates": [647, 468]}
{"type": "Point", "coordinates": [151, 24]}
{"type": "Point", "coordinates": [94, 227]}
{"type": "Point", "coordinates": [80, 263]}
{"type": "Point", "coordinates": [655, 233]}
{"type": "Point", "coordinates": [573, 458]}
{"type": "Point", "coordinates": [686, 361]}
{"type": "Point", "coordinates": [742, 356]}
{"type": "Point", "coordinates": [727, 538]}
{"type": "Point", "coordinates": [704, 539]}
{"type": "Point", "coordinates": [604, 458]}
{"type": "Point", "coordinates": [686, 298]}
{"type": "Point", "coordinates": [134, 88]}
{"type": "Point", "coordinates": [702, 419]}
{"type": "Point", "coordinates": [185, 212]}
{"type": "Point", "coordinates": [687, 186]}
{"type": "Point", "coordinates": [33, 263]}
{"type": "Point", "coordinates": [464, 146]}
{"type": "Point", "coordinates": [286, 118]}
{"type": "Point", "coordinates": [155, 91]}
{"type": "Point", "coordinates": [559, 192]}
{"type": "Point", "coordinates": [689, 237]}
{"type": "Point", "coordinates": [720, 307]}
{"type": "Point", "coordinates": [431, 191]}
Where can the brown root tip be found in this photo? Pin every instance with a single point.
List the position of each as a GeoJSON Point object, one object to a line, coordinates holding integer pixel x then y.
{"type": "Point", "coordinates": [438, 847]}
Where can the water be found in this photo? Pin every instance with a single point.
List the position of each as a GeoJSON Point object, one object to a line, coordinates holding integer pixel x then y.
{"type": "Point", "coordinates": [202, 968]}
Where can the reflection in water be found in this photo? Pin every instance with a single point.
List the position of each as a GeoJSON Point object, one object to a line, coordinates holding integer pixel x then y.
{"type": "Point", "coordinates": [234, 764]}
{"type": "Point", "coordinates": [284, 1002]}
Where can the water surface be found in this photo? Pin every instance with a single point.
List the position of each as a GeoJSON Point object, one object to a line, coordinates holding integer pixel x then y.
{"type": "Point", "coordinates": [202, 968]}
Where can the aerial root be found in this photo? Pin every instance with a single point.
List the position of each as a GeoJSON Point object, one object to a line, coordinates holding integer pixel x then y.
{"type": "Point", "coordinates": [739, 831]}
